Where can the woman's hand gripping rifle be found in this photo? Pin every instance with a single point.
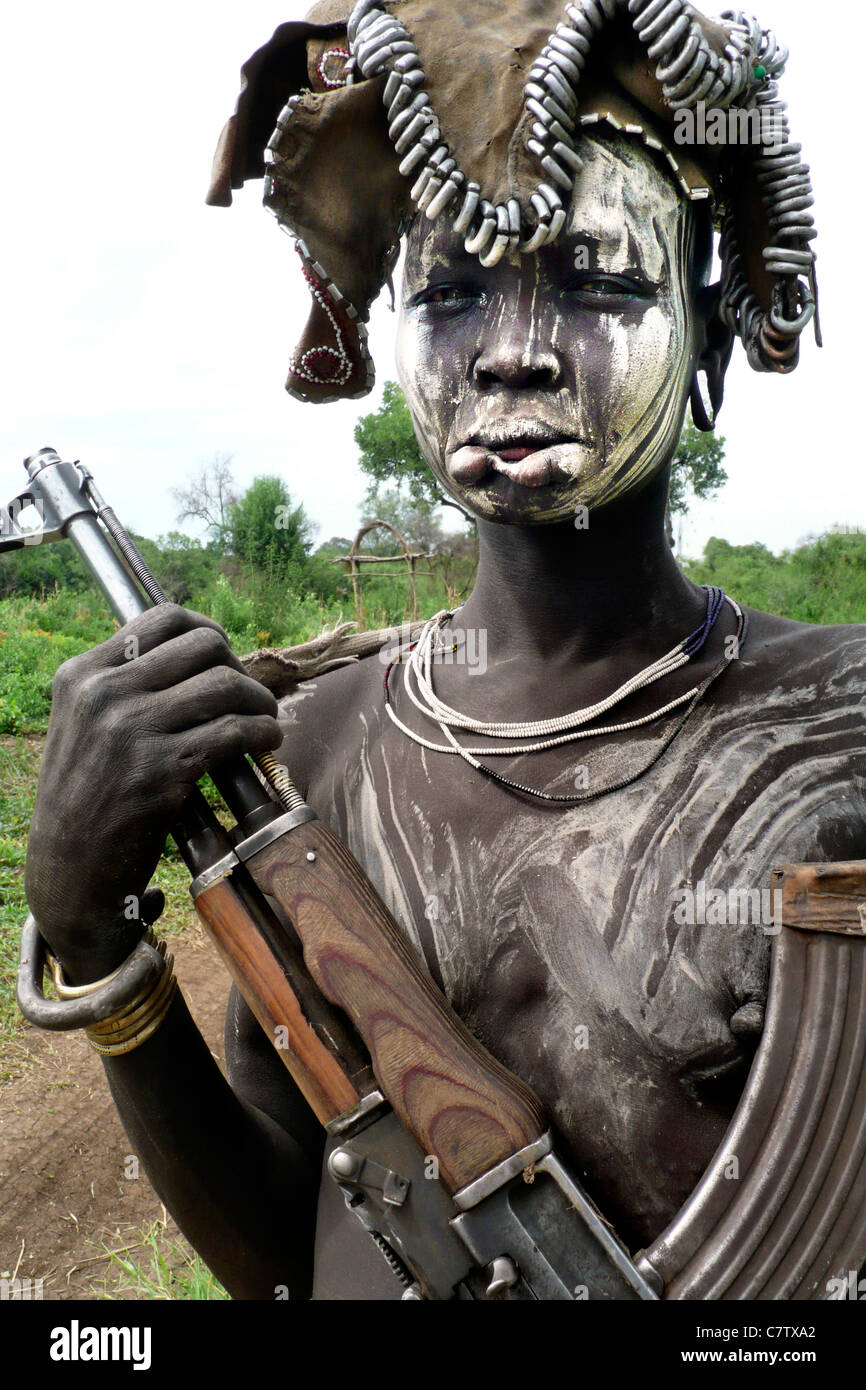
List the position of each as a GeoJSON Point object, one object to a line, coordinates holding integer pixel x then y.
{"type": "Point", "coordinates": [441, 1153]}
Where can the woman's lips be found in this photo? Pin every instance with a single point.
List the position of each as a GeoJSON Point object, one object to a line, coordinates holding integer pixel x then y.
{"type": "Point", "coordinates": [530, 465]}
{"type": "Point", "coordinates": [517, 454]}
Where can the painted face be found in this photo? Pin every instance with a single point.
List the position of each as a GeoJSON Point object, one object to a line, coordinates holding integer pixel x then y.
{"type": "Point", "coordinates": [558, 379]}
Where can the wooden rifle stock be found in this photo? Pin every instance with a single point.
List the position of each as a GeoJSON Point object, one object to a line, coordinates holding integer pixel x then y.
{"type": "Point", "coordinates": [464, 1108]}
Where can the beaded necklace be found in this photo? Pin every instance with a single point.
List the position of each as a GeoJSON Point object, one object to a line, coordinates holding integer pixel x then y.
{"type": "Point", "coordinates": [566, 728]}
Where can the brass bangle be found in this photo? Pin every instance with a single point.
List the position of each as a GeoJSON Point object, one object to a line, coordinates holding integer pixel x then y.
{"type": "Point", "coordinates": [66, 991]}
{"type": "Point", "coordinates": [139, 1019]}
{"type": "Point", "coordinates": [118, 1049]}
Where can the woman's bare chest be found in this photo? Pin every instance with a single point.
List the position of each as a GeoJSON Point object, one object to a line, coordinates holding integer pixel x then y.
{"type": "Point", "coordinates": [601, 951]}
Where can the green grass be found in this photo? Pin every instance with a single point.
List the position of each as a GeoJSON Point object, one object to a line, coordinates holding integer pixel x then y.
{"type": "Point", "coordinates": [158, 1267]}
{"type": "Point", "coordinates": [19, 765]}
{"type": "Point", "coordinates": [36, 636]}
{"type": "Point", "coordinates": [20, 757]}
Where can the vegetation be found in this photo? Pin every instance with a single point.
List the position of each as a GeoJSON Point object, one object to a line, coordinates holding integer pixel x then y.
{"type": "Point", "coordinates": [159, 1267]}
{"type": "Point", "coordinates": [821, 581]}
{"type": "Point", "coordinates": [207, 497]}
{"type": "Point", "coordinates": [268, 533]}
{"type": "Point", "coordinates": [696, 472]}
{"type": "Point", "coordinates": [37, 634]}
{"type": "Point", "coordinates": [259, 576]}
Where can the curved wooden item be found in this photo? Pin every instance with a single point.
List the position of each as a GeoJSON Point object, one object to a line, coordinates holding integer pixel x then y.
{"type": "Point", "coordinates": [795, 1217]}
{"type": "Point", "coordinates": [257, 973]}
{"type": "Point", "coordinates": [462, 1106]}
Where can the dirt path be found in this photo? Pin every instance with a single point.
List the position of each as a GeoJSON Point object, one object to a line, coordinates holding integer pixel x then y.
{"type": "Point", "coordinates": [64, 1158]}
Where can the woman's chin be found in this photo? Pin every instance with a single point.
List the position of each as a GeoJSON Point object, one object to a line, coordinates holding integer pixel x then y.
{"type": "Point", "coordinates": [502, 500]}
{"type": "Point", "coordinates": [551, 485]}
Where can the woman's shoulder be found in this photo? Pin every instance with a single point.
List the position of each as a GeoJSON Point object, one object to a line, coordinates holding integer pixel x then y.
{"type": "Point", "coordinates": [805, 674]}
{"type": "Point", "coordinates": [807, 643]}
{"type": "Point", "coordinates": [319, 713]}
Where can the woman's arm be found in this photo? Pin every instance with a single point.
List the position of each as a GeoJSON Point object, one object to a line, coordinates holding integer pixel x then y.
{"type": "Point", "coordinates": [242, 1189]}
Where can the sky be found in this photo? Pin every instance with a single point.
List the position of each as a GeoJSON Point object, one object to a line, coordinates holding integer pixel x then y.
{"type": "Point", "coordinates": [144, 332]}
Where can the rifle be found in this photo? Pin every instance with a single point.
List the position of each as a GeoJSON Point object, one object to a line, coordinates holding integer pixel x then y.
{"type": "Point", "coordinates": [381, 1058]}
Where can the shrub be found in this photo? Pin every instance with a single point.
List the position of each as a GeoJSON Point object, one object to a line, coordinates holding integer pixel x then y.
{"type": "Point", "coordinates": [36, 636]}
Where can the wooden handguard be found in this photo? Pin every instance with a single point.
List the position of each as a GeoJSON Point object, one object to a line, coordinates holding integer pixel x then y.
{"type": "Point", "coordinates": [317, 1073]}
{"type": "Point", "coordinates": [462, 1106]}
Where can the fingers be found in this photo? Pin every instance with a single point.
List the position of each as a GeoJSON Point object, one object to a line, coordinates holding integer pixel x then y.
{"type": "Point", "coordinates": [212, 694]}
{"type": "Point", "coordinates": [177, 659]}
{"type": "Point", "coordinates": [149, 631]}
{"type": "Point", "coordinates": [200, 750]}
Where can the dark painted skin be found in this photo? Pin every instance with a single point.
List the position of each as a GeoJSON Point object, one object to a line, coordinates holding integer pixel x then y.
{"type": "Point", "coordinates": [538, 921]}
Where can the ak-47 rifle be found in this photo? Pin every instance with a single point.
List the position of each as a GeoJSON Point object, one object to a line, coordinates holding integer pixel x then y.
{"type": "Point", "coordinates": [398, 1081]}
{"type": "Point", "coordinates": [383, 1061]}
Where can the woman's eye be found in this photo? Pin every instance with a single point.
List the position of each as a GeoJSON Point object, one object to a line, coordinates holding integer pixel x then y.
{"type": "Point", "coordinates": [608, 287]}
{"type": "Point", "coordinates": [448, 296]}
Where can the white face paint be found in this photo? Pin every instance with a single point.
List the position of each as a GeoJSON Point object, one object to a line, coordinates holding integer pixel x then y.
{"type": "Point", "coordinates": [540, 385]}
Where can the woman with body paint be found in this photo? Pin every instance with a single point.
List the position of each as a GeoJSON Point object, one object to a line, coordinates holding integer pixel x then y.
{"type": "Point", "coordinates": [531, 822]}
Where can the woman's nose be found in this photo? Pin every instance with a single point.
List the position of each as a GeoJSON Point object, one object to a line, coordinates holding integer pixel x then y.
{"type": "Point", "coordinates": [518, 353]}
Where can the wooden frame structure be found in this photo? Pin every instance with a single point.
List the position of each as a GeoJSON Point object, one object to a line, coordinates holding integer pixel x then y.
{"type": "Point", "coordinates": [353, 560]}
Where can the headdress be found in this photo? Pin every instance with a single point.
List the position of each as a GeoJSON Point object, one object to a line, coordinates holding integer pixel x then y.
{"type": "Point", "coordinates": [360, 118]}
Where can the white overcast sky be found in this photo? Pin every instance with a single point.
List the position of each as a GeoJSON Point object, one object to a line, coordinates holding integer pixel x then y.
{"type": "Point", "coordinates": [144, 332]}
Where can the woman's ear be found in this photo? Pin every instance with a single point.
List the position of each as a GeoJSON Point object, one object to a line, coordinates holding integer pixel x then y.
{"type": "Point", "coordinates": [714, 358]}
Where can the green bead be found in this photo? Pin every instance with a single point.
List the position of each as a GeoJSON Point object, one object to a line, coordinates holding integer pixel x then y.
{"type": "Point", "coordinates": [760, 72]}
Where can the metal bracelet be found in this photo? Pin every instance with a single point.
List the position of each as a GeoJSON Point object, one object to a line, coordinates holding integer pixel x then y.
{"type": "Point", "coordinates": [138, 972]}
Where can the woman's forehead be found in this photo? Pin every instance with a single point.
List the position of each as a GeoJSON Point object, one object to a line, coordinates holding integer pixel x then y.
{"type": "Point", "coordinates": [623, 203]}
{"type": "Point", "coordinates": [624, 210]}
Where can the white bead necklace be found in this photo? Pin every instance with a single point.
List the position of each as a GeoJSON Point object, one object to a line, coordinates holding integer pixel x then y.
{"type": "Point", "coordinates": [566, 728]}
{"type": "Point", "coordinates": [418, 667]}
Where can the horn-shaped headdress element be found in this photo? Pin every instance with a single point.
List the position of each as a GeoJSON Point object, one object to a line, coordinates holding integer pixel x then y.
{"type": "Point", "coordinates": [361, 119]}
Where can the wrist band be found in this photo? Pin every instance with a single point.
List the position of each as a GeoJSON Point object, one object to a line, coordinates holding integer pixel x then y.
{"type": "Point", "coordinates": [119, 1012]}
{"type": "Point", "coordinates": [139, 1020]}
{"type": "Point", "coordinates": [136, 1020]}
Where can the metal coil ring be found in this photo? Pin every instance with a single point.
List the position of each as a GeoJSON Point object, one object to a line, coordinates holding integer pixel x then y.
{"type": "Point", "coordinates": [792, 327]}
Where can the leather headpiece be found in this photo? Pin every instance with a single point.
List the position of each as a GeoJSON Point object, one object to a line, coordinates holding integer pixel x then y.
{"type": "Point", "coordinates": [361, 117]}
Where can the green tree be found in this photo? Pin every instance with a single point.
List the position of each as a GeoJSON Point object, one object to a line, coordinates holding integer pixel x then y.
{"type": "Point", "coordinates": [268, 532]}
{"type": "Point", "coordinates": [37, 569]}
{"type": "Point", "coordinates": [696, 472]}
{"type": "Point", "coordinates": [185, 567]}
{"type": "Point", "coordinates": [390, 454]}
{"type": "Point", "coordinates": [822, 580]}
